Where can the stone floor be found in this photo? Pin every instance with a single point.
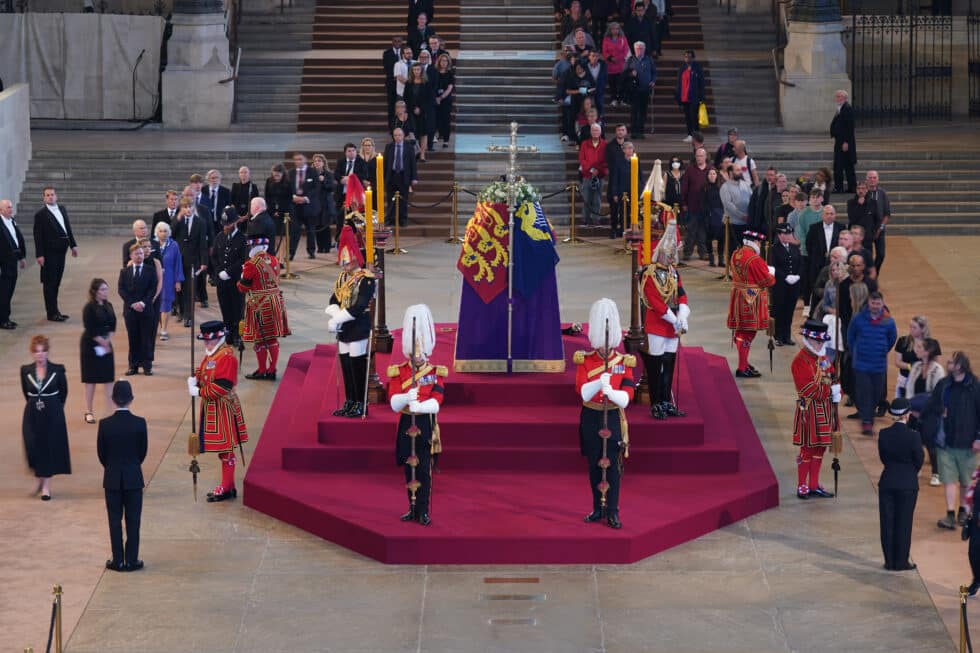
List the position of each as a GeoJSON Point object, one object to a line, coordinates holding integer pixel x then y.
{"type": "Point", "coordinates": [802, 577]}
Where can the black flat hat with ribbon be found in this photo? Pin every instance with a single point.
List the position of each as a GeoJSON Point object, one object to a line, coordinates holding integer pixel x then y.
{"type": "Point", "coordinates": [211, 330]}
{"type": "Point", "coordinates": [815, 330]}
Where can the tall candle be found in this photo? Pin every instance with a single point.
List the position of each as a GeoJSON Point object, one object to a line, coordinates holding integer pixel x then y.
{"type": "Point", "coordinates": [369, 226]}
{"type": "Point", "coordinates": [380, 177]}
{"type": "Point", "coordinates": [646, 227]}
{"type": "Point", "coordinates": [634, 192]}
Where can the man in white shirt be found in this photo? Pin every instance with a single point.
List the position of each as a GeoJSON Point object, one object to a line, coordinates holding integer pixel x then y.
{"type": "Point", "coordinates": [13, 255]}
{"type": "Point", "coordinates": [401, 71]}
{"type": "Point", "coordinates": [746, 163]}
{"type": "Point", "coordinates": [52, 240]}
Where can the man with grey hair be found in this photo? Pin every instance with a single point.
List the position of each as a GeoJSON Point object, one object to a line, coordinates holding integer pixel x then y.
{"type": "Point", "coordinates": [13, 255]}
{"type": "Point", "coordinates": [641, 72]}
{"type": "Point", "coordinates": [260, 223]}
{"type": "Point", "coordinates": [593, 168]}
{"type": "Point", "coordinates": [215, 197]}
{"type": "Point", "coordinates": [140, 232]}
{"type": "Point", "coordinates": [845, 151]}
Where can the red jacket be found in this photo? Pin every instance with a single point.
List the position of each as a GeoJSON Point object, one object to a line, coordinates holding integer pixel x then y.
{"type": "Point", "coordinates": [593, 156]}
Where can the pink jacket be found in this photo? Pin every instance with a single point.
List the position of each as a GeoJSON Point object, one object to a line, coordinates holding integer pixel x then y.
{"type": "Point", "coordinates": [619, 50]}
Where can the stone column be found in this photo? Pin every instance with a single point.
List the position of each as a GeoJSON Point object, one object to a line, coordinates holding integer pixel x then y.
{"type": "Point", "coordinates": [197, 60]}
{"type": "Point", "coordinates": [960, 58]}
{"type": "Point", "coordinates": [815, 63]}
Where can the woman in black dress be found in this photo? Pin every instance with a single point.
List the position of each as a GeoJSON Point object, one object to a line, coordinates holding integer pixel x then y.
{"type": "Point", "coordinates": [278, 196]}
{"type": "Point", "coordinates": [445, 87]}
{"type": "Point", "coordinates": [97, 358]}
{"type": "Point", "coordinates": [370, 156]}
{"type": "Point", "coordinates": [45, 433]}
{"type": "Point", "coordinates": [325, 188]}
{"type": "Point", "coordinates": [420, 98]}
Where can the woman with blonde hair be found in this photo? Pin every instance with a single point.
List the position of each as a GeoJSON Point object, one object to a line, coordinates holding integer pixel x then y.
{"type": "Point", "coordinates": [173, 273]}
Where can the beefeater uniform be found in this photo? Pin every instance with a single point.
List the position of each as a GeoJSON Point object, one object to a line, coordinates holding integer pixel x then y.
{"type": "Point", "coordinates": [590, 366]}
{"type": "Point", "coordinates": [748, 308]}
{"type": "Point", "coordinates": [222, 426]}
{"type": "Point", "coordinates": [431, 382]}
{"type": "Point", "coordinates": [265, 313]}
{"type": "Point", "coordinates": [816, 418]}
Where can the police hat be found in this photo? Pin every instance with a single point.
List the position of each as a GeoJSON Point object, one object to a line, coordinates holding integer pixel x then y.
{"type": "Point", "coordinates": [899, 407]}
{"type": "Point", "coordinates": [229, 216]}
{"type": "Point", "coordinates": [784, 228]}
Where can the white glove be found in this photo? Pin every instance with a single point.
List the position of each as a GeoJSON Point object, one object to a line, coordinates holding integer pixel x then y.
{"type": "Point", "coordinates": [192, 388]}
{"type": "Point", "coordinates": [835, 393]}
{"type": "Point", "coordinates": [791, 279]}
{"type": "Point", "coordinates": [342, 316]}
{"type": "Point", "coordinates": [223, 276]}
{"type": "Point", "coordinates": [399, 401]}
{"type": "Point", "coordinates": [683, 312]}
{"type": "Point", "coordinates": [605, 379]}
{"type": "Point", "coordinates": [333, 326]}
{"type": "Point", "coordinates": [670, 317]}
{"type": "Point", "coordinates": [413, 394]}
{"type": "Point", "coordinates": [590, 389]}
{"type": "Point", "coordinates": [427, 407]}
{"type": "Point", "coordinates": [332, 309]}
{"type": "Point", "coordinates": [772, 270]}
{"type": "Point", "coordinates": [681, 325]}
{"type": "Point", "coordinates": [102, 351]}
{"type": "Point", "coordinates": [618, 397]}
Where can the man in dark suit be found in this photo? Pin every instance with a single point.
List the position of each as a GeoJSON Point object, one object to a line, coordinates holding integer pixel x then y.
{"type": "Point", "coordinates": [190, 232]}
{"type": "Point", "coordinates": [788, 261]}
{"type": "Point", "coordinates": [619, 184]}
{"type": "Point", "coordinates": [400, 175]}
{"type": "Point", "coordinates": [228, 257]}
{"type": "Point", "coordinates": [349, 164]}
{"type": "Point", "coordinates": [418, 34]}
{"type": "Point", "coordinates": [820, 239]}
{"type": "Point", "coordinates": [863, 211]}
{"type": "Point", "coordinates": [140, 232]}
{"type": "Point", "coordinates": [13, 255]}
{"type": "Point", "coordinates": [388, 61]}
{"type": "Point", "coordinates": [168, 214]}
{"type": "Point", "coordinates": [306, 206]}
{"type": "Point", "coordinates": [845, 151]}
{"type": "Point", "coordinates": [137, 288]}
{"type": "Point", "coordinates": [416, 7]}
{"type": "Point", "coordinates": [52, 240]}
{"type": "Point", "coordinates": [215, 198]}
{"type": "Point", "coordinates": [243, 191]}
{"type": "Point", "coordinates": [261, 223]}
{"type": "Point", "coordinates": [900, 451]}
{"type": "Point", "coordinates": [121, 445]}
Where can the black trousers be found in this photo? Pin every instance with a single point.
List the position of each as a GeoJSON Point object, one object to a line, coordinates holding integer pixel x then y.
{"type": "Point", "coordinates": [638, 112]}
{"type": "Point", "coordinates": [612, 477]}
{"type": "Point", "coordinates": [784, 298]}
{"type": "Point", "coordinates": [296, 227]}
{"type": "Point", "coordinates": [400, 184]}
{"type": "Point", "coordinates": [974, 548]}
{"type": "Point", "coordinates": [844, 169]}
{"type": "Point", "coordinates": [615, 215]}
{"type": "Point", "coordinates": [423, 474]}
{"type": "Point", "coordinates": [324, 237]}
{"type": "Point", "coordinates": [444, 112]}
{"type": "Point", "coordinates": [879, 252]}
{"type": "Point", "coordinates": [690, 116]}
{"type": "Point", "coordinates": [200, 290]}
{"type": "Point", "coordinates": [391, 91]}
{"type": "Point", "coordinates": [895, 509]}
{"type": "Point", "coordinates": [51, 273]}
{"type": "Point", "coordinates": [141, 329]}
{"type": "Point", "coordinates": [8, 281]}
{"type": "Point", "coordinates": [128, 505]}
{"type": "Point", "coordinates": [232, 305]}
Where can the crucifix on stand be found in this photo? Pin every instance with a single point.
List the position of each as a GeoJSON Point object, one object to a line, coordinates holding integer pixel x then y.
{"type": "Point", "coordinates": [513, 149]}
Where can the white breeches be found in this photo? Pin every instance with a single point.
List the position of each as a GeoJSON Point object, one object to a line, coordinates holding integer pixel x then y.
{"type": "Point", "coordinates": [658, 345]}
{"type": "Point", "coordinates": [355, 349]}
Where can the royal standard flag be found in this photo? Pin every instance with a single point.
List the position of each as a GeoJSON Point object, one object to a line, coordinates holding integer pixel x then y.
{"type": "Point", "coordinates": [483, 258]}
{"type": "Point", "coordinates": [535, 256]}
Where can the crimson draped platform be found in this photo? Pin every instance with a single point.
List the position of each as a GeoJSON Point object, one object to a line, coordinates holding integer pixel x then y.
{"type": "Point", "coordinates": [512, 487]}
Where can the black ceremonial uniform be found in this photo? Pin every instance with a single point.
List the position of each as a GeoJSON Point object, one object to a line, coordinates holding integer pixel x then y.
{"type": "Point", "coordinates": [229, 255]}
{"type": "Point", "coordinates": [787, 260]}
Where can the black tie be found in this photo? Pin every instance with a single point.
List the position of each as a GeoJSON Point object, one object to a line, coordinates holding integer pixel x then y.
{"type": "Point", "coordinates": [398, 157]}
{"type": "Point", "coordinates": [138, 271]}
{"type": "Point", "coordinates": [350, 167]}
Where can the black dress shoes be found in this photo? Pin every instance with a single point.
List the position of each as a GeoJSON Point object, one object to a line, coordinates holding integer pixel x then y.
{"type": "Point", "coordinates": [148, 370]}
{"type": "Point", "coordinates": [613, 522]}
{"type": "Point", "coordinates": [136, 566]}
{"type": "Point", "coordinates": [57, 318]}
{"type": "Point", "coordinates": [310, 255]}
{"type": "Point", "coordinates": [821, 493]}
{"type": "Point", "coordinates": [408, 516]}
{"type": "Point", "coordinates": [255, 375]}
{"type": "Point", "coordinates": [672, 411]}
{"type": "Point", "coordinates": [269, 376]}
{"type": "Point", "coordinates": [593, 516]}
{"type": "Point", "coordinates": [8, 325]}
{"type": "Point", "coordinates": [356, 410]}
{"type": "Point", "coordinates": [657, 411]}
{"type": "Point", "coordinates": [112, 565]}
{"type": "Point", "coordinates": [131, 371]}
{"type": "Point", "coordinates": [424, 519]}
{"type": "Point", "coordinates": [972, 589]}
{"type": "Point", "coordinates": [908, 566]}
{"type": "Point", "coordinates": [227, 494]}
{"type": "Point", "coordinates": [746, 374]}
{"type": "Point", "coordinates": [187, 323]}
{"type": "Point", "coordinates": [342, 411]}
{"type": "Point", "coordinates": [233, 492]}
{"type": "Point", "coordinates": [204, 304]}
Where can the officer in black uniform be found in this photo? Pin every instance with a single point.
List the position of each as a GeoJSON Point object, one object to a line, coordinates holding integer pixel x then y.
{"type": "Point", "coordinates": [900, 450]}
{"type": "Point", "coordinates": [788, 261]}
{"type": "Point", "coordinates": [228, 256]}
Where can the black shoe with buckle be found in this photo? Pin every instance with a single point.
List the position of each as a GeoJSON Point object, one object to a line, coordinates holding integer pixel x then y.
{"type": "Point", "coordinates": [356, 410]}
{"type": "Point", "coordinates": [657, 412]}
{"type": "Point", "coordinates": [224, 496]}
{"type": "Point", "coordinates": [821, 493]}
{"type": "Point", "coordinates": [255, 375]}
{"type": "Point", "coordinates": [424, 519]}
{"type": "Point", "coordinates": [343, 410]}
{"type": "Point", "coordinates": [593, 516]}
{"type": "Point", "coordinates": [670, 410]}
{"type": "Point", "coordinates": [408, 516]}
{"type": "Point", "coordinates": [613, 521]}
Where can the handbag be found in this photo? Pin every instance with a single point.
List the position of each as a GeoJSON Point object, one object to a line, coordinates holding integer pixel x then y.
{"type": "Point", "coordinates": [703, 115]}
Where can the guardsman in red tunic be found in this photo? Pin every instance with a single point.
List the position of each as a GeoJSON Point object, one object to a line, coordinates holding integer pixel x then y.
{"type": "Point", "coordinates": [816, 419]}
{"type": "Point", "coordinates": [748, 310]}
{"type": "Point", "coordinates": [604, 382]}
{"type": "Point", "coordinates": [416, 389]}
{"type": "Point", "coordinates": [665, 319]}
{"type": "Point", "coordinates": [222, 427]}
{"type": "Point", "coordinates": [265, 314]}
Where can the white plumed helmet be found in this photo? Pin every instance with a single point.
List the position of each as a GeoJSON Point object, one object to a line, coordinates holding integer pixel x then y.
{"type": "Point", "coordinates": [425, 331]}
{"type": "Point", "coordinates": [601, 311]}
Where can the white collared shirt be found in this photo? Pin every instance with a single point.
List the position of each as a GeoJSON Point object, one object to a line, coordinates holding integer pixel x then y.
{"type": "Point", "coordinates": [9, 224]}
{"type": "Point", "coordinates": [828, 235]}
{"type": "Point", "coordinates": [56, 212]}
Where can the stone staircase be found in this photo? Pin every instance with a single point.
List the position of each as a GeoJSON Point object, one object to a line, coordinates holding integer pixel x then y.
{"type": "Point", "coordinates": [271, 70]}
{"type": "Point", "coordinates": [340, 25]}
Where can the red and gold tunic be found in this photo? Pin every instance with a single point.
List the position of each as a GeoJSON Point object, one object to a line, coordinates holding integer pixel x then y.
{"type": "Point", "coordinates": [590, 367]}
{"type": "Point", "coordinates": [661, 289]}
{"type": "Point", "coordinates": [748, 309]}
{"type": "Point", "coordinates": [431, 383]}
{"type": "Point", "coordinates": [816, 417]}
{"type": "Point", "coordinates": [222, 426]}
{"type": "Point", "coordinates": [265, 314]}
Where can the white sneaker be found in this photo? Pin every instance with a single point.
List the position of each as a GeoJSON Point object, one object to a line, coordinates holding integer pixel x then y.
{"type": "Point", "coordinates": [934, 481]}
{"type": "Point", "coordinates": [688, 139]}
{"type": "Point", "coordinates": [564, 139]}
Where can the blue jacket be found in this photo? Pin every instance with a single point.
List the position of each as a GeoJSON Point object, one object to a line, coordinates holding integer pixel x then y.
{"type": "Point", "coordinates": [870, 341]}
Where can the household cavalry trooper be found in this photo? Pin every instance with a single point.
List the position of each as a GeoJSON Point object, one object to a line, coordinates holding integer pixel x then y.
{"type": "Point", "coordinates": [350, 319]}
{"type": "Point", "coordinates": [222, 426]}
{"type": "Point", "coordinates": [265, 314]}
{"type": "Point", "coordinates": [416, 389]}
{"type": "Point", "coordinates": [604, 381]}
{"type": "Point", "coordinates": [816, 423]}
{"type": "Point", "coordinates": [665, 300]}
{"type": "Point", "coordinates": [748, 308]}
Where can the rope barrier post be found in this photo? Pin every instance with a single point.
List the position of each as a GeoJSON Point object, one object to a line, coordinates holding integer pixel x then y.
{"type": "Point", "coordinates": [572, 238]}
{"type": "Point", "coordinates": [454, 231]}
{"type": "Point", "coordinates": [287, 221]}
{"type": "Point", "coordinates": [396, 250]}
{"type": "Point", "coordinates": [57, 619]}
{"type": "Point", "coordinates": [626, 249]}
{"type": "Point", "coordinates": [964, 635]}
{"type": "Point", "coordinates": [29, 649]}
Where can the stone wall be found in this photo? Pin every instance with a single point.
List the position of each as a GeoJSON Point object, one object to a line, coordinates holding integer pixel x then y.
{"type": "Point", "coordinates": [15, 140]}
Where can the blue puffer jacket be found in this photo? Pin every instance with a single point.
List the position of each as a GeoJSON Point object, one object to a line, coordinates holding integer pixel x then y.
{"type": "Point", "coordinates": [870, 341]}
